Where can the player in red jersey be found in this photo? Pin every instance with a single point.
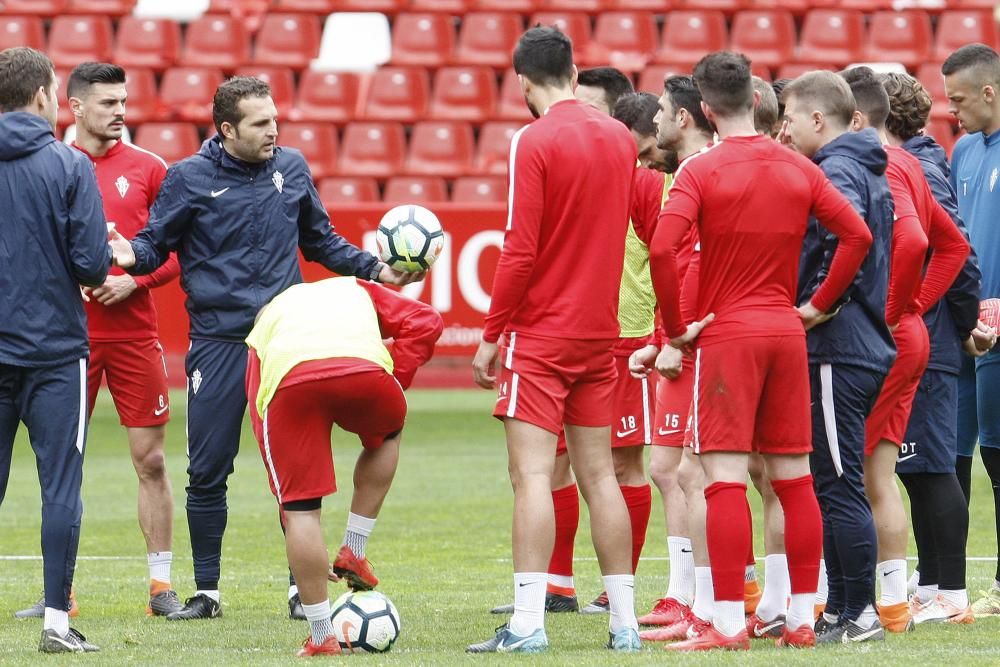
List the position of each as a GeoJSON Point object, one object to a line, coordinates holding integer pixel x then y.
{"type": "Point", "coordinates": [121, 316]}
{"type": "Point", "coordinates": [559, 320]}
{"type": "Point", "coordinates": [921, 225]}
{"type": "Point", "coordinates": [751, 199]}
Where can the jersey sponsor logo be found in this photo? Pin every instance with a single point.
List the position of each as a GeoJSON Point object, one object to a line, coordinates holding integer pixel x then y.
{"type": "Point", "coordinates": [196, 377]}
{"type": "Point", "coordinates": [217, 193]}
{"type": "Point", "coordinates": [122, 185]}
{"type": "Point", "coordinates": [622, 434]}
{"type": "Point", "coordinates": [665, 431]}
{"type": "Point", "coordinates": [278, 180]}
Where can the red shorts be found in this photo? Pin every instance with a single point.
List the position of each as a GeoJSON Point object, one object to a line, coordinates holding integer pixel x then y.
{"type": "Point", "coordinates": [891, 413]}
{"type": "Point", "coordinates": [137, 379]}
{"type": "Point", "coordinates": [673, 407]}
{"type": "Point", "coordinates": [294, 432]}
{"type": "Point", "coordinates": [551, 381]}
{"type": "Point", "coordinates": [752, 394]}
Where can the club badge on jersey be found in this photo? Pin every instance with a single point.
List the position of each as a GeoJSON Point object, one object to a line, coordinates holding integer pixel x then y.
{"type": "Point", "coordinates": [278, 180]}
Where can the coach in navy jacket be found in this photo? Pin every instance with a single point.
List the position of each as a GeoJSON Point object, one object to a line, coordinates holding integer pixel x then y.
{"type": "Point", "coordinates": [235, 213]}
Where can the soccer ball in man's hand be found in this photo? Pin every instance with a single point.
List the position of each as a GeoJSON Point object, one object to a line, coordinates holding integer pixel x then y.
{"type": "Point", "coordinates": [365, 622]}
{"type": "Point", "coordinates": [409, 238]}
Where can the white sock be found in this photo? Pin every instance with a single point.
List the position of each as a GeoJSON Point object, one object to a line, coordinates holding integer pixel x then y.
{"type": "Point", "coordinates": [56, 619]}
{"type": "Point", "coordinates": [358, 529]}
{"type": "Point", "coordinates": [959, 598]}
{"type": "Point", "coordinates": [892, 578]}
{"type": "Point", "coordinates": [212, 594]}
{"type": "Point", "coordinates": [833, 618]}
{"type": "Point", "coordinates": [728, 618]}
{"type": "Point", "coordinates": [822, 585]}
{"type": "Point", "coordinates": [913, 582]}
{"type": "Point", "coordinates": [750, 573]}
{"type": "Point", "coordinates": [293, 590]}
{"type": "Point", "coordinates": [562, 581]}
{"type": "Point", "coordinates": [529, 603]}
{"type": "Point", "coordinates": [777, 587]}
{"type": "Point", "coordinates": [318, 616]}
{"type": "Point", "coordinates": [704, 594]}
{"type": "Point", "coordinates": [926, 593]}
{"type": "Point", "coordinates": [159, 565]}
{"type": "Point", "coordinates": [800, 611]}
{"type": "Point", "coordinates": [621, 599]}
{"type": "Point", "coordinates": [681, 586]}
{"type": "Point", "coordinates": [867, 618]}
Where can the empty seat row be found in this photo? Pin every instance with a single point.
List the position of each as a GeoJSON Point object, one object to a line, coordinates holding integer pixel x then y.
{"type": "Point", "coordinates": [413, 190]}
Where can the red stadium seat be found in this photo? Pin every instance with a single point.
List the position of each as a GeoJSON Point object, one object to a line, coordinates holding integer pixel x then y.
{"type": "Point", "coordinates": [318, 143]}
{"type": "Point", "coordinates": [901, 37]}
{"type": "Point", "coordinates": [65, 116]}
{"type": "Point", "coordinates": [398, 93]}
{"type": "Point", "coordinates": [518, 6]}
{"type": "Point", "coordinates": [348, 190]}
{"type": "Point", "coordinates": [372, 149]}
{"type": "Point", "coordinates": [834, 36]}
{"type": "Point", "coordinates": [652, 77]}
{"type": "Point", "coordinates": [440, 148]}
{"type": "Point", "coordinates": [943, 132]}
{"type": "Point", "coordinates": [187, 93]}
{"type": "Point", "coordinates": [415, 190]}
{"type": "Point", "coordinates": [282, 85]}
{"type": "Point", "coordinates": [727, 6]}
{"type": "Point", "coordinates": [929, 75]}
{"type": "Point", "coordinates": [767, 38]}
{"type": "Point", "coordinates": [795, 70]}
{"type": "Point", "coordinates": [77, 39]}
{"type": "Point", "coordinates": [960, 27]}
{"type": "Point", "coordinates": [866, 6]}
{"type": "Point", "coordinates": [143, 100]}
{"type": "Point", "coordinates": [330, 97]}
{"type": "Point", "coordinates": [626, 40]}
{"type": "Point", "coordinates": [589, 6]}
{"type": "Point", "coordinates": [314, 7]}
{"type": "Point", "coordinates": [422, 39]}
{"type": "Point", "coordinates": [456, 7]}
{"type": "Point", "coordinates": [493, 149]}
{"type": "Point", "coordinates": [655, 6]}
{"type": "Point", "coordinates": [21, 31]}
{"type": "Point", "coordinates": [576, 25]}
{"type": "Point", "coordinates": [171, 141]}
{"type": "Point", "coordinates": [383, 6]}
{"type": "Point", "coordinates": [479, 190]}
{"type": "Point", "coordinates": [511, 105]}
{"type": "Point", "coordinates": [689, 35]}
{"type": "Point", "coordinates": [464, 93]}
{"type": "Point", "coordinates": [287, 40]}
{"type": "Point", "coordinates": [154, 43]}
{"type": "Point", "coordinates": [34, 7]}
{"type": "Point", "coordinates": [488, 38]}
{"type": "Point", "coordinates": [114, 8]}
{"type": "Point", "coordinates": [216, 40]}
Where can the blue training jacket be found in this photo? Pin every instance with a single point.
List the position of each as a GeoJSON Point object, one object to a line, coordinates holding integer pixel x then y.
{"type": "Point", "coordinates": [53, 239]}
{"type": "Point", "coordinates": [236, 227]}
{"type": "Point", "coordinates": [953, 317]}
{"type": "Point", "coordinates": [855, 163]}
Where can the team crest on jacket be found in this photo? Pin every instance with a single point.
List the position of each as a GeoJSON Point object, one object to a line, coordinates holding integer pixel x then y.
{"type": "Point", "coordinates": [278, 180]}
{"type": "Point", "coordinates": [195, 380]}
{"type": "Point", "coordinates": [122, 185]}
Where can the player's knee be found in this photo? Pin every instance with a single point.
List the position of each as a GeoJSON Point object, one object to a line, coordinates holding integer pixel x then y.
{"type": "Point", "coordinates": [664, 475]}
{"type": "Point", "coordinates": [151, 465]}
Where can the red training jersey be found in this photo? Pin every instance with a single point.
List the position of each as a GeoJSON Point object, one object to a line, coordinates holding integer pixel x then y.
{"type": "Point", "coordinates": [921, 224]}
{"type": "Point", "coordinates": [751, 199]}
{"type": "Point", "coordinates": [129, 179]}
{"type": "Point", "coordinates": [570, 181]}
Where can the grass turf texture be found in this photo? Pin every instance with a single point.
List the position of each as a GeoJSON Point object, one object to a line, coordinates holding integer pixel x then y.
{"type": "Point", "coordinates": [441, 549]}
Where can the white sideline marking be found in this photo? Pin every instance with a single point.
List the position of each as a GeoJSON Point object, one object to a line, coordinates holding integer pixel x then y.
{"type": "Point", "coordinates": [593, 559]}
{"type": "Point", "coordinates": [3, 557]}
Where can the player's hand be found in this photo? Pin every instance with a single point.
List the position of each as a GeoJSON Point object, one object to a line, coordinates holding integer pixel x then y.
{"type": "Point", "coordinates": [484, 364]}
{"type": "Point", "coordinates": [121, 250]}
{"type": "Point", "coordinates": [669, 362]}
{"type": "Point", "coordinates": [811, 316]}
{"type": "Point", "coordinates": [784, 137]}
{"type": "Point", "coordinates": [981, 340]}
{"type": "Point", "coordinates": [115, 289]}
{"type": "Point", "coordinates": [642, 361]}
{"type": "Point", "coordinates": [693, 330]}
{"type": "Point", "coordinates": [85, 293]}
{"type": "Point", "coordinates": [391, 276]}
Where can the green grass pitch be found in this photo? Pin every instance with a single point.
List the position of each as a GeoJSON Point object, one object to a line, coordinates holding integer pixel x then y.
{"type": "Point", "coordinates": [441, 549]}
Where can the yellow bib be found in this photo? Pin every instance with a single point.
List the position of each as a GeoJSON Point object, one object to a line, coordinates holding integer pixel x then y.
{"type": "Point", "coordinates": [636, 300]}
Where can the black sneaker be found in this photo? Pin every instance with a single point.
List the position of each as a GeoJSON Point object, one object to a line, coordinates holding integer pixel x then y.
{"type": "Point", "coordinates": [295, 610]}
{"type": "Point", "coordinates": [73, 642]}
{"type": "Point", "coordinates": [554, 604]}
{"type": "Point", "coordinates": [849, 632]}
{"type": "Point", "coordinates": [163, 603]}
{"type": "Point", "coordinates": [822, 625]}
{"type": "Point", "coordinates": [199, 606]}
{"type": "Point", "coordinates": [600, 605]}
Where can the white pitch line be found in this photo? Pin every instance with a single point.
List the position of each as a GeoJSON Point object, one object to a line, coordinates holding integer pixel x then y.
{"type": "Point", "coordinates": [977, 559]}
{"type": "Point", "coordinates": [78, 558]}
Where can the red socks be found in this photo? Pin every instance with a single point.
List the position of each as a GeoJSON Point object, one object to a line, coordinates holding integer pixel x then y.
{"type": "Point", "coordinates": [728, 535]}
{"type": "Point", "coordinates": [639, 501]}
{"type": "Point", "coordinates": [566, 502]}
{"type": "Point", "coordinates": [803, 531]}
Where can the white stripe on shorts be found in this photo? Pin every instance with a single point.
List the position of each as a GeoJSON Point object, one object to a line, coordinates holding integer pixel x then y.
{"type": "Point", "coordinates": [512, 403]}
{"type": "Point", "coordinates": [270, 463]}
{"type": "Point", "coordinates": [81, 425]}
{"type": "Point", "coordinates": [830, 415]}
{"type": "Point", "coordinates": [694, 401]}
{"type": "Point", "coordinates": [509, 361]}
{"type": "Point", "coordinates": [647, 422]}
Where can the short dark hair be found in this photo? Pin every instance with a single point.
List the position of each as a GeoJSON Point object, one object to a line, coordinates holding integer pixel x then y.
{"type": "Point", "coordinates": [85, 75]}
{"type": "Point", "coordinates": [978, 56]}
{"type": "Point", "coordinates": [612, 81]}
{"type": "Point", "coordinates": [544, 56]}
{"type": "Point", "coordinates": [826, 91]}
{"type": "Point", "coordinates": [683, 94]}
{"type": "Point", "coordinates": [225, 105]}
{"type": "Point", "coordinates": [909, 105]}
{"type": "Point", "coordinates": [778, 86]}
{"type": "Point", "coordinates": [724, 80]}
{"type": "Point", "coordinates": [765, 114]}
{"type": "Point", "coordinates": [637, 111]}
{"type": "Point", "coordinates": [869, 95]}
{"type": "Point", "coordinates": [23, 71]}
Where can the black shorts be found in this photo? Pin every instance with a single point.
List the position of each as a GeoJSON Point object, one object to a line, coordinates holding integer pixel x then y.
{"type": "Point", "coordinates": [931, 442]}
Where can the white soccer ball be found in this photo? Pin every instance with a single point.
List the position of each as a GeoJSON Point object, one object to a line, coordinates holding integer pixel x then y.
{"type": "Point", "coordinates": [409, 238]}
{"type": "Point", "coordinates": [365, 622]}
